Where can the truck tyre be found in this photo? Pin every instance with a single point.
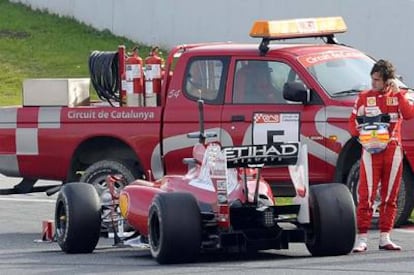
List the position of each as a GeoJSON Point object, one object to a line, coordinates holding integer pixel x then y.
{"type": "Point", "coordinates": [96, 175]}
{"type": "Point", "coordinates": [333, 223]}
{"type": "Point", "coordinates": [405, 195]}
{"type": "Point", "coordinates": [174, 224]}
{"type": "Point", "coordinates": [77, 218]}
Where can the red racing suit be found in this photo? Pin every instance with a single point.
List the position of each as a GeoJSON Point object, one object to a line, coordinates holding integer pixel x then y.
{"type": "Point", "coordinates": [386, 166]}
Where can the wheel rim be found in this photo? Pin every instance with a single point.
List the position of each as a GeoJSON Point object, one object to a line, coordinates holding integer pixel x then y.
{"type": "Point", "coordinates": [99, 182]}
{"type": "Point", "coordinates": [155, 233]}
{"type": "Point", "coordinates": [61, 221]}
{"type": "Point", "coordinates": [101, 187]}
{"type": "Point", "coordinates": [109, 213]}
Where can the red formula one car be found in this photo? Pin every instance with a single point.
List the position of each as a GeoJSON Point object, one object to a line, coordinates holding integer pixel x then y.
{"type": "Point", "coordinates": [222, 203]}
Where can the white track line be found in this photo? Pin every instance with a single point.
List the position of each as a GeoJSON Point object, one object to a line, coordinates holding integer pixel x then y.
{"type": "Point", "coordinates": [27, 200]}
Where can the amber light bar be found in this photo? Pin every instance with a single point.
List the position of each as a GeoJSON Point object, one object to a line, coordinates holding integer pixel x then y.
{"type": "Point", "coordinates": [298, 28]}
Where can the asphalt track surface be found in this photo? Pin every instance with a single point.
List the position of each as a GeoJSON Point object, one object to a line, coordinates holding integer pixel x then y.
{"type": "Point", "coordinates": [21, 251]}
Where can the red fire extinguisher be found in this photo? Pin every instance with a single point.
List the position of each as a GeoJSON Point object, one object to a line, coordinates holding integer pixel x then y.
{"type": "Point", "coordinates": [134, 75]}
{"type": "Point", "coordinates": [153, 72]}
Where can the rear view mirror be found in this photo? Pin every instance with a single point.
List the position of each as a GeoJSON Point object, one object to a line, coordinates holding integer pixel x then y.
{"type": "Point", "coordinates": [296, 91]}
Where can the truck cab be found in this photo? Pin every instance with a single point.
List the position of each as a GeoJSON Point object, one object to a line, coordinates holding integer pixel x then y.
{"type": "Point", "coordinates": [236, 81]}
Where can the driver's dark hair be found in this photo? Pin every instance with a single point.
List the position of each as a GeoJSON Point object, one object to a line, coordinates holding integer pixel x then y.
{"type": "Point", "coordinates": [384, 68]}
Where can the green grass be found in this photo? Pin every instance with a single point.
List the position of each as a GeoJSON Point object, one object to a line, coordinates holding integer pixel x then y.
{"type": "Point", "coordinates": [35, 44]}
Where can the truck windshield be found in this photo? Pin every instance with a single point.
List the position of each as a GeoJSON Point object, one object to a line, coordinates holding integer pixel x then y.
{"type": "Point", "coordinates": [341, 74]}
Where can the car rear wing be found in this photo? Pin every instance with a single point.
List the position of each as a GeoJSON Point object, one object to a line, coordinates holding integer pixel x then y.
{"type": "Point", "coordinates": [259, 155]}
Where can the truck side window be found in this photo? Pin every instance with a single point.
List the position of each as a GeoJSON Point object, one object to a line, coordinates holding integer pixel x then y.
{"type": "Point", "coordinates": [204, 79]}
{"type": "Point", "coordinates": [260, 81]}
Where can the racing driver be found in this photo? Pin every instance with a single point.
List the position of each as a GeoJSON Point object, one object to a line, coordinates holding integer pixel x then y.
{"type": "Point", "coordinates": [382, 168]}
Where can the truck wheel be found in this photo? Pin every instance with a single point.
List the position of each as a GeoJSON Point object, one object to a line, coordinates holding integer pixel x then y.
{"type": "Point", "coordinates": [77, 218]}
{"type": "Point", "coordinates": [333, 223]}
{"type": "Point", "coordinates": [405, 196]}
{"type": "Point", "coordinates": [96, 175]}
{"type": "Point", "coordinates": [174, 224]}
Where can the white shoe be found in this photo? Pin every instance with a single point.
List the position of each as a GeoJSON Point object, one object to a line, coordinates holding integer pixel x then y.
{"type": "Point", "coordinates": [390, 246]}
{"type": "Point", "coordinates": [361, 244]}
{"type": "Point", "coordinates": [386, 243]}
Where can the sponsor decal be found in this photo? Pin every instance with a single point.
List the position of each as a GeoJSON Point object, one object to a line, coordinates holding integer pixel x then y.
{"type": "Point", "coordinates": [221, 185]}
{"type": "Point", "coordinates": [392, 101]}
{"type": "Point", "coordinates": [266, 154]}
{"type": "Point", "coordinates": [222, 192]}
{"type": "Point", "coordinates": [173, 93]}
{"type": "Point", "coordinates": [221, 198]}
{"type": "Point", "coordinates": [316, 58]}
{"type": "Point", "coordinates": [110, 114]}
{"type": "Point", "coordinates": [371, 101]}
{"type": "Point", "coordinates": [372, 111]}
{"type": "Point", "coordinates": [271, 128]}
{"type": "Point", "coordinates": [266, 118]}
{"type": "Point", "coordinates": [394, 117]}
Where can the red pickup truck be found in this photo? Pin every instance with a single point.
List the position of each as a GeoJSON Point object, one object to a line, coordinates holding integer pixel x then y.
{"type": "Point", "coordinates": [240, 84]}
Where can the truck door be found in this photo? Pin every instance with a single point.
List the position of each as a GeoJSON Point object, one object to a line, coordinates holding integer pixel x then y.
{"type": "Point", "coordinates": [257, 89]}
{"type": "Point", "coordinates": [203, 78]}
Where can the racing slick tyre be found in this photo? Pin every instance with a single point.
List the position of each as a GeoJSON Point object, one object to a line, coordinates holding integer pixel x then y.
{"type": "Point", "coordinates": [96, 175]}
{"type": "Point", "coordinates": [405, 201]}
{"type": "Point", "coordinates": [333, 222]}
{"type": "Point", "coordinates": [174, 224]}
{"type": "Point", "coordinates": [77, 218]}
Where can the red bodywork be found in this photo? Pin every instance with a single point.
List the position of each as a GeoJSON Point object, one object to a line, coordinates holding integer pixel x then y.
{"type": "Point", "coordinates": [140, 196]}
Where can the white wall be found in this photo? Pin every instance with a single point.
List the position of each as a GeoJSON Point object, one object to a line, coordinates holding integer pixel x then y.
{"type": "Point", "coordinates": [381, 28]}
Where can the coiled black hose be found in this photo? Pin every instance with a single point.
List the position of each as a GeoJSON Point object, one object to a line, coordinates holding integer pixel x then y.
{"type": "Point", "coordinates": [103, 70]}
